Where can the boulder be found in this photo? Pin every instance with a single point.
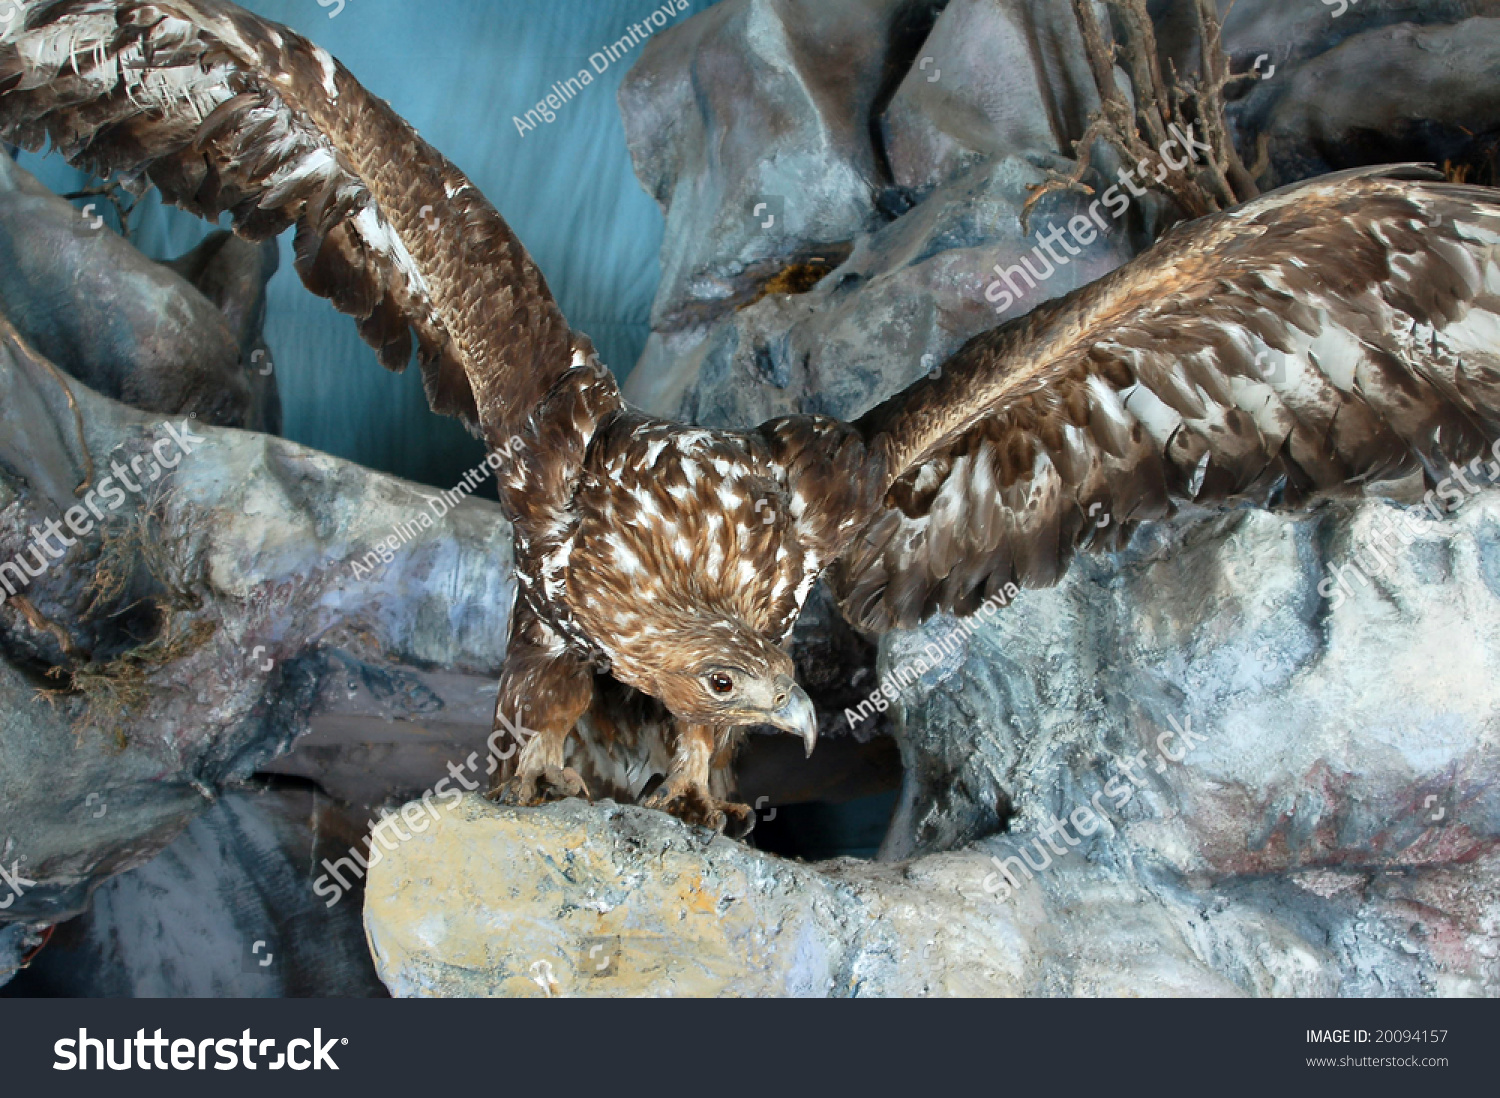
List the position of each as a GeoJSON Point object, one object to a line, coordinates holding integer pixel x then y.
{"type": "Point", "coordinates": [1329, 117]}
{"type": "Point", "coordinates": [17, 940]}
{"type": "Point", "coordinates": [993, 80]}
{"type": "Point", "coordinates": [908, 295]}
{"type": "Point", "coordinates": [182, 338]}
{"type": "Point", "coordinates": [1333, 669]}
{"type": "Point", "coordinates": [226, 910]}
{"type": "Point", "coordinates": [1351, 82]}
{"type": "Point", "coordinates": [607, 901]}
{"type": "Point", "coordinates": [750, 123]}
{"type": "Point", "coordinates": [195, 633]}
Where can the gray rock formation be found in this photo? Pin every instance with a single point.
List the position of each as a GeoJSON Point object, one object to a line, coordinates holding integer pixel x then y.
{"type": "Point", "coordinates": [227, 910]}
{"type": "Point", "coordinates": [1340, 675]}
{"type": "Point", "coordinates": [208, 621]}
{"type": "Point", "coordinates": [751, 121]}
{"type": "Point", "coordinates": [574, 900]}
{"type": "Point", "coordinates": [178, 339]}
{"type": "Point", "coordinates": [993, 79]}
{"type": "Point", "coordinates": [908, 295]}
{"type": "Point", "coordinates": [1329, 117]}
{"type": "Point", "coordinates": [17, 941]}
{"type": "Point", "coordinates": [1345, 84]}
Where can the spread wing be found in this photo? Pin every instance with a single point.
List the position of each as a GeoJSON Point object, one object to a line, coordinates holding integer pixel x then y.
{"type": "Point", "coordinates": [1334, 333]}
{"type": "Point", "coordinates": [224, 111]}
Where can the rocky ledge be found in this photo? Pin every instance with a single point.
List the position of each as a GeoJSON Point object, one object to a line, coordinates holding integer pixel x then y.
{"type": "Point", "coordinates": [608, 900]}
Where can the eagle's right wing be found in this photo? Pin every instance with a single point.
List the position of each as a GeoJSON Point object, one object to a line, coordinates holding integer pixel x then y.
{"type": "Point", "coordinates": [1337, 332]}
{"type": "Point", "coordinates": [225, 111]}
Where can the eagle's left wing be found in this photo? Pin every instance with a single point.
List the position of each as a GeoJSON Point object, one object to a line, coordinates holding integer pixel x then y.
{"type": "Point", "coordinates": [1334, 333]}
{"type": "Point", "coordinates": [230, 113]}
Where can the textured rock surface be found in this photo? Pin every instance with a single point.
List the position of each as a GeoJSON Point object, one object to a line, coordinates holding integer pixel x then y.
{"type": "Point", "coordinates": [246, 551]}
{"type": "Point", "coordinates": [1328, 118]}
{"type": "Point", "coordinates": [227, 910]}
{"type": "Point", "coordinates": [573, 900]}
{"type": "Point", "coordinates": [749, 123]}
{"type": "Point", "coordinates": [619, 900]}
{"type": "Point", "coordinates": [993, 79]}
{"type": "Point", "coordinates": [1379, 81]}
{"type": "Point", "coordinates": [908, 296]}
{"type": "Point", "coordinates": [1354, 730]}
{"type": "Point", "coordinates": [178, 339]}
{"type": "Point", "coordinates": [13, 950]}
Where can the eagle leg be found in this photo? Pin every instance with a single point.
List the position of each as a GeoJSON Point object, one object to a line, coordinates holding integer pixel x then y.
{"type": "Point", "coordinates": [544, 690]}
{"type": "Point", "coordinates": [685, 793]}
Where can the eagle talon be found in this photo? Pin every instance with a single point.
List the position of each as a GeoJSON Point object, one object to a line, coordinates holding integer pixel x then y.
{"type": "Point", "coordinates": [550, 783]}
{"type": "Point", "coordinates": [695, 805]}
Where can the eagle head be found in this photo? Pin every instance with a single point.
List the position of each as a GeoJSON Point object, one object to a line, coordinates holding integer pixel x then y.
{"type": "Point", "coordinates": [723, 675]}
{"type": "Point", "coordinates": [684, 570]}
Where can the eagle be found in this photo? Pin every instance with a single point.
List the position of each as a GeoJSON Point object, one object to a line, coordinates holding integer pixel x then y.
{"type": "Point", "coordinates": [1336, 334]}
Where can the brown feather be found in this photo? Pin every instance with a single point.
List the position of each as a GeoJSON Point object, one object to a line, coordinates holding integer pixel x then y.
{"type": "Point", "coordinates": [1330, 334]}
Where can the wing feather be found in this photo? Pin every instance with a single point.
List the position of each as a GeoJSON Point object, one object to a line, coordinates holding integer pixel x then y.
{"type": "Point", "coordinates": [226, 112]}
{"type": "Point", "coordinates": [1332, 334]}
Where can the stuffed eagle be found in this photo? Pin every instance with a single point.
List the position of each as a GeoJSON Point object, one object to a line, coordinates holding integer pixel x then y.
{"type": "Point", "coordinates": [676, 559]}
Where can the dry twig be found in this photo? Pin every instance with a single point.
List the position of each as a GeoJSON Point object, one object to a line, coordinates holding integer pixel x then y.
{"type": "Point", "coordinates": [1140, 131]}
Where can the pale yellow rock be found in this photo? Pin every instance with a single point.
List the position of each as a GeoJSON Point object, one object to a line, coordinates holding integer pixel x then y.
{"type": "Point", "coordinates": [604, 900]}
{"type": "Point", "coordinates": [569, 900]}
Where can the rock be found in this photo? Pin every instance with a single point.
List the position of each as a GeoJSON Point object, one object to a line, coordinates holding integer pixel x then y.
{"type": "Point", "coordinates": [606, 901]}
{"type": "Point", "coordinates": [994, 80]}
{"type": "Point", "coordinates": [614, 900]}
{"type": "Point", "coordinates": [1347, 703]}
{"type": "Point", "coordinates": [227, 910]}
{"type": "Point", "coordinates": [139, 331]}
{"type": "Point", "coordinates": [1329, 117]}
{"type": "Point", "coordinates": [908, 296]}
{"type": "Point", "coordinates": [209, 623]}
{"type": "Point", "coordinates": [1348, 84]}
{"type": "Point", "coordinates": [16, 943]}
{"type": "Point", "coordinates": [235, 275]}
{"type": "Point", "coordinates": [751, 124]}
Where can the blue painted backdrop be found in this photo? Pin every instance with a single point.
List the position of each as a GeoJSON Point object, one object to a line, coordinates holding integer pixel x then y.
{"type": "Point", "coordinates": [459, 70]}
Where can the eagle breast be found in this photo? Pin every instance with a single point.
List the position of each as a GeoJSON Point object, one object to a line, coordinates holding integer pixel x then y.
{"type": "Point", "coordinates": [681, 530]}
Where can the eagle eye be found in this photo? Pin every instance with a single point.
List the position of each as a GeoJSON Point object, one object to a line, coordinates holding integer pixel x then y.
{"type": "Point", "coordinates": [720, 683]}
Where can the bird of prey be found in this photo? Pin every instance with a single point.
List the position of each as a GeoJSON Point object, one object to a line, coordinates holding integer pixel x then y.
{"type": "Point", "coordinates": [1339, 332]}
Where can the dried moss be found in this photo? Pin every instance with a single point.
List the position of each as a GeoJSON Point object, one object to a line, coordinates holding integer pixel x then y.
{"type": "Point", "coordinates": [115, 691]}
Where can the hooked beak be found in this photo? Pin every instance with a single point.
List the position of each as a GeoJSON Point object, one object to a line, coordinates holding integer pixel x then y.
{"type": "Point", "coordinates": [796, 714]}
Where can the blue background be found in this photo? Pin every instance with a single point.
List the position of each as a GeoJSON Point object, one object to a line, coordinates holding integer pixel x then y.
{"type": "Point", "coordinates": [459, 70]}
